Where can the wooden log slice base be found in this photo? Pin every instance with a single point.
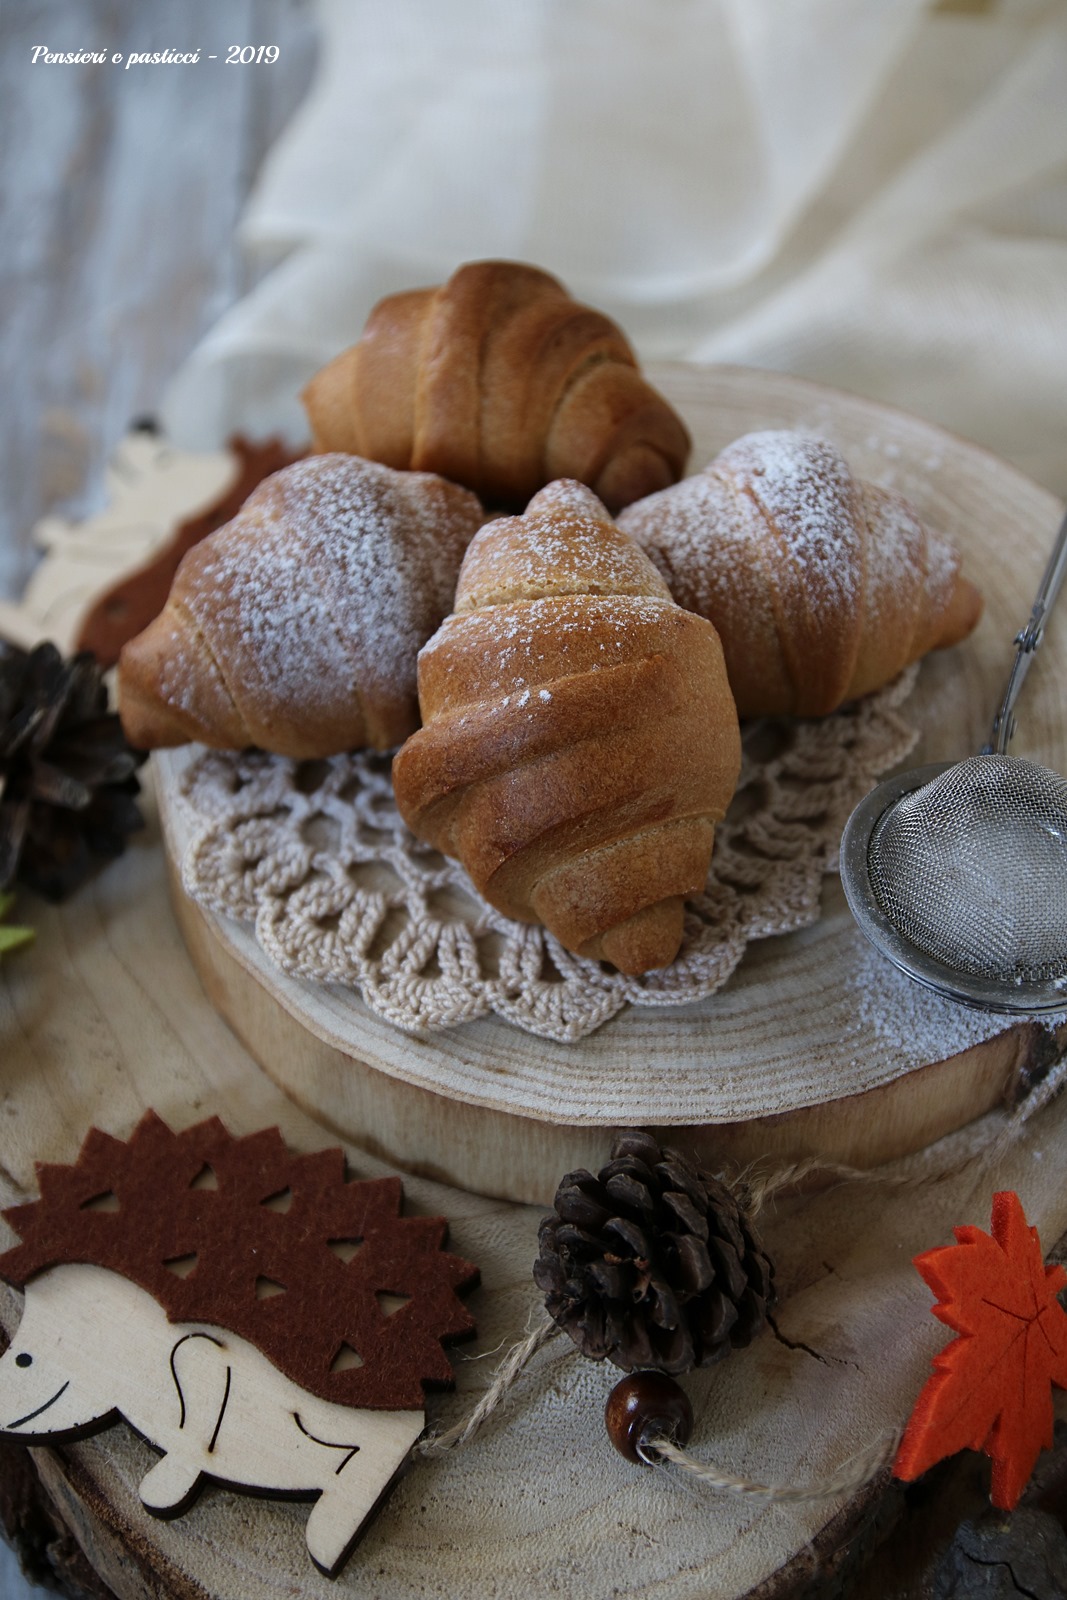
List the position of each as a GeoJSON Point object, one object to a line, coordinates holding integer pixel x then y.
{"type": "Point", "coordinates": [103, 1016]}
{"type": "Point", "coordinates": [816, 1046]}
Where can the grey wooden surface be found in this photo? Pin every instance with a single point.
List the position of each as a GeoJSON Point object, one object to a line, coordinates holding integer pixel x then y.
{"type": "Point", "coordinates": [119, 194]}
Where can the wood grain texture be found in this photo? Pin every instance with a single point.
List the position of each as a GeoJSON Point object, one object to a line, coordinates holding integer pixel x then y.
{"type": "Point", "coordinates": [120, 193]}
{"type": "Point", "coordinates": [103, 1016]}
{"type": "Point", "coordinates": [816, 1045]}
{"type": "Point", "coordinates": [92, 1344]}
{"type": "Point", "coordinates": [115, 265]}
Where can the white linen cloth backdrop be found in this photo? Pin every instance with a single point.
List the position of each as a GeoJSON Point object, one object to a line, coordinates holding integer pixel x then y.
{"type": "Point", "coordinates": [872, 193]}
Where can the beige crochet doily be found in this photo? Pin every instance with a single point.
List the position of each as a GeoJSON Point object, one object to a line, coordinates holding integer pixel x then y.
{"type": "Point", "coordinates": [316, 856]}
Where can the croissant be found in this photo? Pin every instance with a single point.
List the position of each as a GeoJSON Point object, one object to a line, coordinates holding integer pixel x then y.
{"type": "Point", "coordinates": [821, 586]}
{"type": "Point", "coordinates": [500, 381]}
{"type": "Point", "coordinates": [296, 626]}
{"type": "Point", "coordinates": [580, 741]}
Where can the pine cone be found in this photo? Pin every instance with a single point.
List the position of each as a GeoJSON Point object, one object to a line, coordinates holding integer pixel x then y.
{"type": "Point", "coordinates": [67, 775]}
{"type": "Point", "coordinates": [652, 1263]}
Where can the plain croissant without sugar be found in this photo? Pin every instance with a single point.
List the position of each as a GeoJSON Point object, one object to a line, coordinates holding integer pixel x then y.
{"type": "Point", "coordinates": [579, 741]}
{"type": "Point", "coordinates": [822, 587]}
{"type": "Point", "coordinates": [296, 627]}
{"type": "Point", "coordinates": [501, 381]}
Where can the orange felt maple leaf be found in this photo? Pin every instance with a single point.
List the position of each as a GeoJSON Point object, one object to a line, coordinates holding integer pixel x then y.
{"type": "Point", "coordinates": [991, 1387]}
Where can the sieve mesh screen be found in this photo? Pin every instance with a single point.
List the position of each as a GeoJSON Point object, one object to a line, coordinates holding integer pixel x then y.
{"type": "Point", "coordinates": [972, 869]}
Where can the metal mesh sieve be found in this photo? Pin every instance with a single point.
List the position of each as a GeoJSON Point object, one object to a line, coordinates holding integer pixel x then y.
{"type": "Point", "coordinates": [971, 869]}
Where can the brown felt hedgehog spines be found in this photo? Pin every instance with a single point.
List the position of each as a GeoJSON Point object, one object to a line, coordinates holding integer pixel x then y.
{"type": "Point", "coordinates": [284, 1250]}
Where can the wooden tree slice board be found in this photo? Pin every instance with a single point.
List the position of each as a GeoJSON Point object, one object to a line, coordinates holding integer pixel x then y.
{"type": "Point", "coordinates": [103, 1016]}
{"type": "Point", "coordinates": [816, 1045]}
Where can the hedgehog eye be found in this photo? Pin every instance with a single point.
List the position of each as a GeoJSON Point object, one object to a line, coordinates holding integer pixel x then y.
{"type": "Point", "coordinates": [23, 1359]}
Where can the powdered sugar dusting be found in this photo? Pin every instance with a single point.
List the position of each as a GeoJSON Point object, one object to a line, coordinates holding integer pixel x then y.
{"type": "Point", "coordinates": [707, 533]}
{"type": "Point", "coordinates": [564, 543]}
{"type": "Point", "coordinates": [776, 527]}
{"type": "Point", "coordinates": [701, 535]}
{"type": "Point", "coordinates": [518, 647]}
{"type": "Point", "coordinates": [341, 570]}
{"type": "Point", "coordinates": [896, 558]}
{"type": "Point", "coordinates": [808, 493]}
{"type": "Point", "coordinates": [567, 495]}
{"type": "Point", "coordinates": [911, 1020]}
{"type": "Point", "coordinates": [942, 569]}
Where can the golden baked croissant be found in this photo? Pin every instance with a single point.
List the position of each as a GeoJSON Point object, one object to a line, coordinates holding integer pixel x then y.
{"type": "Point", "coordinates": [296, 627]}
{"type": "Point", "coordinates": [580, 740]}
{"type": "Point", "coordinates": [821, 586]}
{"type": "Point", "coordinates": [500, 381]}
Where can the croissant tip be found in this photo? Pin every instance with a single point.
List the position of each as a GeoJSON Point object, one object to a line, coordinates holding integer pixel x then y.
{"type": "Point", "coordinates": [637, 473]}
{"type": "Point", "coordinates": [149, 720]}
{"type": "Point", "coordinates": [967, 608]}
{"type": "Point", "coordinates": [146, 722]}
{"type": "Point", "coordinates": [649, 939]}
{"type": "Point", "coordinates": [326, 399]}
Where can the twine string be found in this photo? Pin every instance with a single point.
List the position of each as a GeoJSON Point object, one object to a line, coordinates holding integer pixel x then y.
{"type": "Point", "coordinates": [505, 1377]}
{"type": "Point", "coordinates": [755, 1191]}
{"type": "Point", "coordinates": [1039, 1097]}
{"type": "Point", "coordinates": [855, 1474]}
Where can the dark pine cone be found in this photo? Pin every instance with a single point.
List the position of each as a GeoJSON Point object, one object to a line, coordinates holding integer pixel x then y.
{"type": "Point", "coordinates": [67, 775]}
{"type": "Point", "coordinates": [652, 1263]}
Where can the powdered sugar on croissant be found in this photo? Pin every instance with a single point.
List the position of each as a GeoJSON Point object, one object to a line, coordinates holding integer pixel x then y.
{"type": "Point", "coordinates": [822, 586]}
{"type": "Point", "coordinates": [296, 627]}
{"type": "Point", "coordinates": [580, 742]}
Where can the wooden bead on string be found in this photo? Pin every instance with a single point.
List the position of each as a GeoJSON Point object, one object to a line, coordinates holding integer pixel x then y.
{"type": "Point", "coordinates": [646, 1406]}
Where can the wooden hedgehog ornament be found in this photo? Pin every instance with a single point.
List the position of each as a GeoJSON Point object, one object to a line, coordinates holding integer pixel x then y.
{"type": "Point", "coordinates": [255, 1315]}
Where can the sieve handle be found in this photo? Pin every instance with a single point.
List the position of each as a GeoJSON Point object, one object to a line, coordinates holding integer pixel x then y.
{"type": "Point", "coordinates": [1027, 642]}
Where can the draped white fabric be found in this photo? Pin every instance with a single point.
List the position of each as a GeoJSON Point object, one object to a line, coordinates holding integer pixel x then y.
{"type": "Point", "coordinates": [872, 193]}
